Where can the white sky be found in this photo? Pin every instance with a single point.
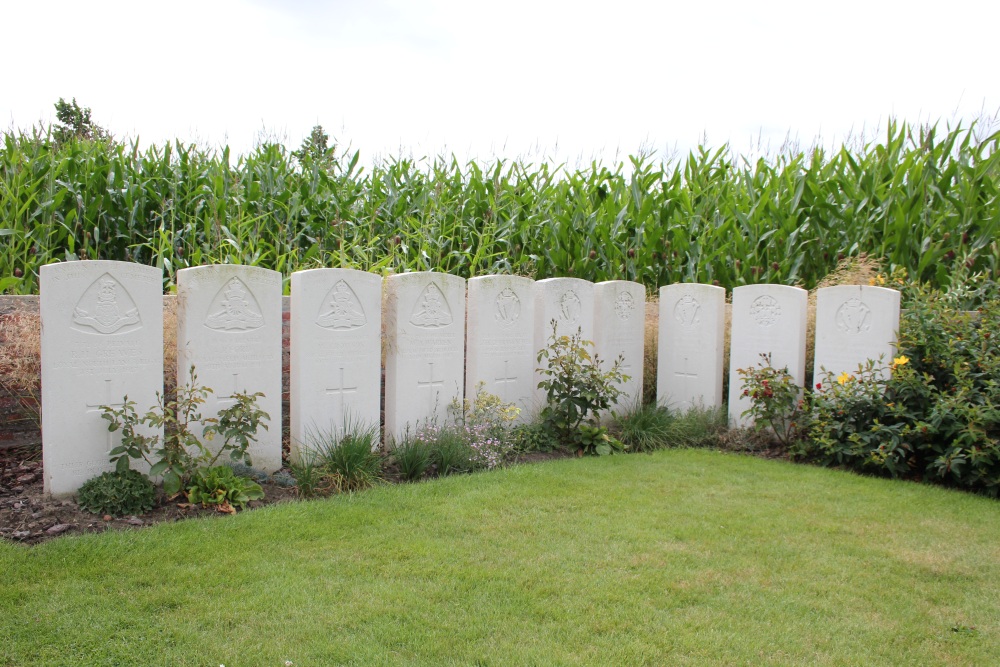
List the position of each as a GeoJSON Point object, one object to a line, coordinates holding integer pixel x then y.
{"type": "Point", "coordinates": [567, 81]}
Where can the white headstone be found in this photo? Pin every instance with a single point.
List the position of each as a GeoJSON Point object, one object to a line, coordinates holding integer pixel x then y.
{"type": "Point", "coordinates": [620, 329]}
{"type": "Point", "coordinates": [425, 349]}
{"type": "Point", "coordinates": [766, 319]}
{"type": "Point", "coordinates": [691, 343]}
{"type": "Point", "coordinates": [335, 370]}
{"type": "Point", "coordinates": [500, 350]}
{"type": "Point", "coordinates": [570, 303]}
{"type": "Point", "coordinates": [229, 328]}
{"type": "Point", "coordinates": [102, 339]}
{"type": "Point", "coordinates": [854, 323]}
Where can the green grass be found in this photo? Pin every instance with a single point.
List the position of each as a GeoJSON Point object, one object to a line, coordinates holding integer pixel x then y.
{"type": "Point", "coordinates": [679, 557]}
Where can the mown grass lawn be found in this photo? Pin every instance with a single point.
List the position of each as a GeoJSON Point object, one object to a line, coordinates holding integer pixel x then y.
{"type": "Point", "coordinates": [681, 557]}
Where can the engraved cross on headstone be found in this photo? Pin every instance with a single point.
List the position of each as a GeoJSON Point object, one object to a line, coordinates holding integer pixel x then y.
{"type": "Point", "coordinates": [230, 399]}
{"type": "Point", "coordinates": [339, 392]}
{"type": "Point", "coordinates": [505, 380]}
{"type": "Point", "coordinates": [626, 369]}
{"type": "Point", "coordinates": [685, 373]}
{"type": "Point", "coordinates": [430, 384]}
{"type": "Point", "coordinates": [108, 402]}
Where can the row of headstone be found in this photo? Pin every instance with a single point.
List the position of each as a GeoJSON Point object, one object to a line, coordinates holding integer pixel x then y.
{"type": "Point", "coordinates": [102, 340]}
{"type": "Point", "coordinates": [854, 323]}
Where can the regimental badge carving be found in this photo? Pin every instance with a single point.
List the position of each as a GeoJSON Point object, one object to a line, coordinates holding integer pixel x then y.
{"type": "Point", "coordinates": [624, 305]}
{"type": "Point", "coordinates": [431, 310]}
{"type": "Point", "coordinates": [765, 310]}
{"type": "Point", "coordinates": [570, 307]}
{"type": "Point", "coordinates": [853, 316]}
{"type": "Point", "coordinates": [341, 310]}
{"type": "Point", "coordinates": [234, 308]}
{"type": "Point", "coordinates": [508, 307]}
{"type": "Point", "coordinates": [687, 311]}
{"type": "Point", "coordinates": [106, 307]}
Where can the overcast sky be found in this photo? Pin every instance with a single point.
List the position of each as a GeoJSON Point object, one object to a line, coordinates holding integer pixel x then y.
{"type": "Point", "coordinates": [532, 78]}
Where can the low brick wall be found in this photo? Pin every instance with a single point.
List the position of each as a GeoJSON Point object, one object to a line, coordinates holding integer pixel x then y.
{"type": "Point", "coordinates": [18, 412]}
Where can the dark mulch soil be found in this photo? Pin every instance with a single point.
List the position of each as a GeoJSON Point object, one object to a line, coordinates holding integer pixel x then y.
{"type": "Point", "coordinates": [28, 516]}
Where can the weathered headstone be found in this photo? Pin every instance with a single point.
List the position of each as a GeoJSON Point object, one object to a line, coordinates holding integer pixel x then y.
{"type": "Point", "coordinates": [569, 302]}
{"type": "Point", "coordinates": [500, 352]}
{"type": "Point", "coordinates": [854, 323]}
{"type": "Point", "coordinates": [691, 344]}
{"type": "Point", "coordinates": [229, 329]}
{"type": "Point", "coordinates": [766, 319]}
{"type": "Point", "coordinates": [619, 329]}
{"type": "Point", "coordinates": [102, 339]}
{"type": "Point", "coordinates": [335, 370]}
{"type": "Point", "coordinates": [425, 349]}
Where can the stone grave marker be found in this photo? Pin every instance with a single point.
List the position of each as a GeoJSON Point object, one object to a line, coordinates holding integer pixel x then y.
{"type": "Point", "coordinates": [766, 319]}
{"type": "Point", "coordinates": [854, 323]}
{"type": "Point", "coordinates": [619, 329]}
{"type": "Point", "coordinates": [102, 339]}
{"type": "Point", "coordinates": [570, 303]}
{"type": "Point", "coordinates": [691, 342]}
{"type": "Point", "coordinates": [335, 370]}
{"type": "Point", "coordinates": [500, 341]}
{"type": "Point", "coordinates": [229, 328]}
{"type": "Point", "coordinates": [425, 349]}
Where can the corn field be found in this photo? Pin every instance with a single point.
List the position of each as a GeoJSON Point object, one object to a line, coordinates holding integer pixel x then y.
{"type": "Point", "coordinates": [917, 199]}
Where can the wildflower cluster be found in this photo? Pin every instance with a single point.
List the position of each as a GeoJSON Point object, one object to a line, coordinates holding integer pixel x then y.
{"type": "Point", "coordinates": [484, 423]}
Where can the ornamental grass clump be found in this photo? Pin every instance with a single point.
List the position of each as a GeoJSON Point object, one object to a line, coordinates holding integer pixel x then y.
{"type": "Point", "coordinates": [649, 427]}
{"type": "Point", "coordinates": [412, 457]}
{"type": "Point", "coordinates": [343, 460]}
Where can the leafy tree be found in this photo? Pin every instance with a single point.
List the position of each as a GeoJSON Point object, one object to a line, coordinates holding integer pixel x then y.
{"type": "Point", "coordinates": [75, 123]}
{"type": "Point", "coordinates": [316, 149]}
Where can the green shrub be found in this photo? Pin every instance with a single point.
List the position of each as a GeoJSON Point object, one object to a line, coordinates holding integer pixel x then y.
{"type": "Point", "coordinates": [775, 400]}
{"type": "Point", "coordinates": [576, 392]}
{"type": "Point", "coordinates": [118, 493]}
{"type": "Point", "coordinates": [852, 422]}
{"type": "Point", "coordinates": [938, 416]}
{"type": "Point", "coordinates": [219, 486]}
{"type": "Point", "coordinates": [182, 453]}
{"type": "Point", "coordinates": [533, 437]}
